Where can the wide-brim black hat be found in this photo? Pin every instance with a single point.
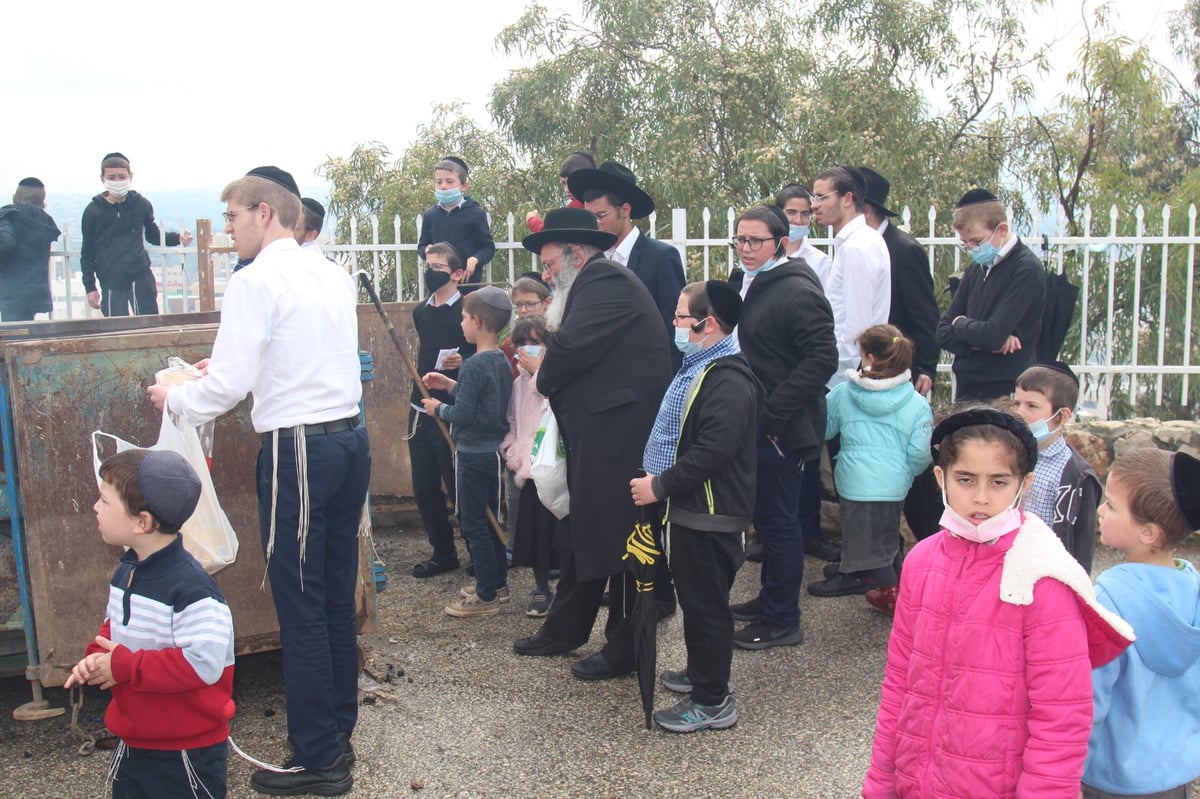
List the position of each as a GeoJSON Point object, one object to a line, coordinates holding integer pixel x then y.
{"type": "Point", "coordinates": [878, 189]}
{"type": "Point", "coordinates": [569, 226]}
{"type": "Point", "coordinates": [611, 176]}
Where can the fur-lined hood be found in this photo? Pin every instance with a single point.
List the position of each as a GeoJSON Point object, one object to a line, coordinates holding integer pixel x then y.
{"type": "Point", "coordinates": [1037, 553]}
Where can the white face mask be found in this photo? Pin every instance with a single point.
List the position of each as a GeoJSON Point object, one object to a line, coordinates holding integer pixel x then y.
{"type": "Point", "coordinates": [117, 188]}
{"type": "Point", "coordinates": [986, 531]}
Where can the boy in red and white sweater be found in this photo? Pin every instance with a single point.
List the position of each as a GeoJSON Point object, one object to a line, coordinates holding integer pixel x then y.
{"type": "Point", "coordinates": [166, 647]}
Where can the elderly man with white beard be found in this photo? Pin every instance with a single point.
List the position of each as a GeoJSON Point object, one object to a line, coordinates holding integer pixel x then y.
{"type": "Point", "coordinates": [605, 370]}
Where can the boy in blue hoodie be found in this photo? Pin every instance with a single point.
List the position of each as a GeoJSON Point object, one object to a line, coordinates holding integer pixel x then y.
{"type": "Point", "coordinates": [1145, 738]}
{"type": "Point", "coordinates": [457, 219]}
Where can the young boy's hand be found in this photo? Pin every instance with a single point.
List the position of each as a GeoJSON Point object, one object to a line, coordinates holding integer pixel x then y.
{"type": "Point", "coordinates": [472, 262]}
{"type": "Point", "coordinates": [436, 381]}
{"type": "Point", "coordinates": [431, 406]}
{"type": "Point", "coordinates": [641, 489]}
{"type": "Point", "coordinates": [452, 361]}
{"type": "Point", "coordinates": [93, 299]}
{"type": "Point", "coordinates": [185, 237]}
{"type": "Point", "coordinates": [100, 665]}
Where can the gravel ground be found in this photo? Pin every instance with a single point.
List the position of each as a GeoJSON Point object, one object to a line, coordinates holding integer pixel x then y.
{"type": "Point", "coordinates": [465, 718]}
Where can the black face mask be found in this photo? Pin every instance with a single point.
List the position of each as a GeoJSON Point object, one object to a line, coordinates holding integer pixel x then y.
{"type": "Point", "coordinates": [434, 280]}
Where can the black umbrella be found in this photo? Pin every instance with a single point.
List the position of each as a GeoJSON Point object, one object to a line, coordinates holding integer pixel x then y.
{"type": "Point", "coordinates": [642, 556]}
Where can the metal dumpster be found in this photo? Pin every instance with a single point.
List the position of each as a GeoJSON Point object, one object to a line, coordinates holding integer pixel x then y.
{"type": "Point", "coordinates": [62, 380]}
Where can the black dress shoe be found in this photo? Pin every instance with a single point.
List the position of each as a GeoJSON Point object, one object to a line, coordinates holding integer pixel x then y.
{"type": "Point", "coordinates": [597, 667]}
{"type": "Point", "coordinates": [830, 570]}
{"type": "Point", "coordinates": [431, 567]}
{"type": "Point", "coordinates": [823, 550]}
{"type": "Point", "coordinates": [541, 644]}
{"type": "Point", "coordinates": [840, 585]}
{"type": "Point", "coordinates": [343, 741]}
{"type": "Point", "coordinates": [332, 781]}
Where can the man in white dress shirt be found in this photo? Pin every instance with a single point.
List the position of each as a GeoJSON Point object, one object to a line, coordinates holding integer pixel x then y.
{"type": "Point", "coordinates": [859, 287]}
{"type": "Point", "coordinates": [289, 336]}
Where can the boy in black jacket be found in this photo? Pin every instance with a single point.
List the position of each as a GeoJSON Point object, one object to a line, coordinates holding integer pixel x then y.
{"type": "Point", "coordinates": [457, 219]}
{"type": "Point", "coordinates": [701, 459]}
{"type": "Point", "coordinates": [26, 233]}
{"type": "Point", "coordinates": [114, 224]}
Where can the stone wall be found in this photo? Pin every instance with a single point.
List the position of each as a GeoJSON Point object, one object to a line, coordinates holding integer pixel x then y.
{"type": "Point", "coordinates": [1101, 442]}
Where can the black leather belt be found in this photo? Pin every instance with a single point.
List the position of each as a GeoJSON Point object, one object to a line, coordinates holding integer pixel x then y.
{"type": "Point", "coordinates": [339, 426]}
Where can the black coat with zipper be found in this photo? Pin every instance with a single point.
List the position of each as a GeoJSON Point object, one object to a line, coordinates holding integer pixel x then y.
{"type": "Point", "coordinates": [113, 234]}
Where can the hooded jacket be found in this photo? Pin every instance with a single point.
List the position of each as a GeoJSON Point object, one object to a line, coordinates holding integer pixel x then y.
{"type": "Point", "coordinates": [26, 233]}
{"type": "Point", "coordinates": [786, 333]}
{"type": "Point", "coordinates": [711, 485]}
{"type": "Point", "coordinates": [988, 689]}
{"type": "Point", "coordinates": [113, 234]}
{"type": "Point", "coordinates": [465, 226]}
{"type": "Point", "coordinates": [885, 427]}
{"type": "Point", "coordinates": [1146, 735]}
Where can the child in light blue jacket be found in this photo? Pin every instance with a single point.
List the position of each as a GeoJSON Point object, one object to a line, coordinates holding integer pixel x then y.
{"type": "Point", "coordinates": [1145, 738]}
{"type": "Point", "coordinates": [884, 426]}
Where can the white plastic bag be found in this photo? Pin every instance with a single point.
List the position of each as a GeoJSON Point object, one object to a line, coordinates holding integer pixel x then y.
{"type": "Point", "coordinates": [548, 466]}
{"type": "Point", "coordinates": [208, 535]}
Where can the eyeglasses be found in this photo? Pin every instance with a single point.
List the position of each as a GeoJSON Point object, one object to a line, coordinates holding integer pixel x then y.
{"type": "Point", "coordinates": [527, 306]}
{"type": "Point", "coordinates": [971, 244]}
{"type": "Point", "coordinates": [748, 242]}
{"type": "Point", "coordinates": [679, 316]}
{"type": "Point", "coordinates": [801, 215]}
{"type": "Point", "coordinates": [436, 267]}
{"type": "Point", "coordinates": [232, 215]}
{"type": "Point", "coordinates": [820, 198]}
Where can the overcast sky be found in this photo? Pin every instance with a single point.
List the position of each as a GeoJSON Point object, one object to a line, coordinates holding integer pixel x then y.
{"type": "Point", "coordinates": [197, 93]}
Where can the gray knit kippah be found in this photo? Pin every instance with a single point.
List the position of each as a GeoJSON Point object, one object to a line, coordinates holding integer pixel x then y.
{"type": "Point", "coordinates": [169, 485]}
{"type": "Point", "coordinates": [495, 297]}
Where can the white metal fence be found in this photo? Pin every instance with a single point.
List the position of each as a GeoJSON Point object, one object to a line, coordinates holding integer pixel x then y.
{"type": "Point", "coordinates": [1132, 341]}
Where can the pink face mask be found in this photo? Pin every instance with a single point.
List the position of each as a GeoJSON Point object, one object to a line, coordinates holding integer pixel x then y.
{"type": "Point", "coordinates": [986, 531]}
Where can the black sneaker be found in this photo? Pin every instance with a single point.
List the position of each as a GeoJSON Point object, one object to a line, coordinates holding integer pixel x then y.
{"type": "Point", "coordinates": [760, 635]}
{"type": "Point", "coordinates": [332, 781]}
{"type": "Point", "coordinates": [823, 550]}
{"type": "Point", "coordinates": [840, 585]}
{"type": "Point", "coordinates": [747, 611]}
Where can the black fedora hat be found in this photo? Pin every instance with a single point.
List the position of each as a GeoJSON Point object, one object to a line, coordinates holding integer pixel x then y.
{"type": "Point", "coordinates": [569, 226]}
{"type": "Point", "coordinates": [615, 177]}
{"type": "Point", "coordinates": [877, 190]}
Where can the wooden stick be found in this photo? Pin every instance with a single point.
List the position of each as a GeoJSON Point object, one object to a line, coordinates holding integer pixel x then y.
{"type": "Point", "coordinates": [364, 279]}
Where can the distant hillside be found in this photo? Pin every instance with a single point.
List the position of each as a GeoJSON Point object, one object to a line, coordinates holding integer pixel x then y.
{"type": "Point", "coordinates": [173, 209]}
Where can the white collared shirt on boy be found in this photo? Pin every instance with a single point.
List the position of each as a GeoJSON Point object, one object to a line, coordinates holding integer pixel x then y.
{"type": "Point", "coordinates": [859, 289]}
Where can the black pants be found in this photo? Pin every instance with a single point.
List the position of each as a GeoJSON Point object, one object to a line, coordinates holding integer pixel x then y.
{"type": "Point", "coordinates": [975, 389]}
{"type": "Point", "coordinates": [576, 605]}
{"type": "Point", "coordinates": [119, 296]}
{"type": "Point", "coordinates": [923, 505]}
{"type": "Point", "coordinates": [313, 588]}
{"type": "Point", "coordinates": [704, 565]}
{"type": "Point", "coordinates": [433, 469]}
{"type": "Point", "coordinates": [155, 773]}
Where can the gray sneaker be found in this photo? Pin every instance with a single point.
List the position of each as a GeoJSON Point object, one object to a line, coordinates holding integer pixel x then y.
{"type": "Point", "coordinates": [539, 604]}
{"type": "Point", "coordinates": [679, 682]}
{"type": "Point", "coordinates": [687, 716]}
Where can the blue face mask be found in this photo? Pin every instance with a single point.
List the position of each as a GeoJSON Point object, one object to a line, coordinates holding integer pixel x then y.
{"type": "Point", "coordinates": [448, 197]}
{"type": "Point", "coordinates": [532, 350]}
{"type": "Point", "coordinates": [797, 232]}
{"type": "Point", "coordinates": [1041, 428]}
{"type": "Point", "coordinates": [985, 254]}
{"type": "Point", "coordinates": [683, 344]}
{"type": "Point", "coordinates": [769, 265]}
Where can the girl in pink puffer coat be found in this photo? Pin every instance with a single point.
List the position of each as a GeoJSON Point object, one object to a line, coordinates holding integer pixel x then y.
{"type": "Point", "coordinates": [987, 690]}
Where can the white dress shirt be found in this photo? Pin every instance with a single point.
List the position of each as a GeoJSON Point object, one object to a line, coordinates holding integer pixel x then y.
{"type": "Point", "coordinates": [620, 252]}
{"type": "Point", "coordinates": [819, 261]}
{"type": "Point", "coordinates": [288, 335]}
{"type": "Point", "coordinates": [859, 289]}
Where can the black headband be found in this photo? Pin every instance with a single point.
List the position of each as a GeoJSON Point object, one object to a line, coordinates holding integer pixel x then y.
{"type": "Point", "coordinates": [985, 415]}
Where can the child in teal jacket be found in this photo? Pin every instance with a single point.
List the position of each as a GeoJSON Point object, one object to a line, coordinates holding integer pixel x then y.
{"type": "Point", "coordinates": [884, 426]}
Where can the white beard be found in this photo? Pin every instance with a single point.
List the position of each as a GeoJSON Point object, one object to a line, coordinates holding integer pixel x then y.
{"type": "Point", "coordinates": [562, 289]}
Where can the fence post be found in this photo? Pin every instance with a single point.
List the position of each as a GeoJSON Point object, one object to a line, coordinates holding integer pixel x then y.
{"type": "Point", "coordinates": [204, 270]}
{"type": "Point", "coordinates": [679, 236]}
{"type": "Point", "coordinates": [1187, 314]}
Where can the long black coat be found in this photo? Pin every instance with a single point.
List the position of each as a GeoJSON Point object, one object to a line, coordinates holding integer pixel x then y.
{"type": "Point", "coordinates": [605, 372]}
{"type": "Point", "coordinates": [26, 233]}
{"type": "Point", "coordinates": [914, 308]}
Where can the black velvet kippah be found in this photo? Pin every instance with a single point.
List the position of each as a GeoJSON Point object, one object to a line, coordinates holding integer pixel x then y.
{"type": "Point", "coordinates": [313, 206]}
{"type": "Point", "coordinates": [1185, 485]}
{"type": "Point", "coordinates": [32, 183]}
{"type": "Point", "coordinates": [276, 175]}
{"type": "Point", "coordinates": [976, 196]}
{"type": "Point", "coordinates": [1061, 368]}
{"type": "Point", "coordinates": [985, 415]}
{"type": "Point", "coordinates": [724, 300]}
{"type": "Point", "coordinates": [458, 161]}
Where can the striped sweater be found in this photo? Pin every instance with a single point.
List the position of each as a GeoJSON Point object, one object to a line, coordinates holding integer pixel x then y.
{"type": "Point", "coordinates": [174, 661]}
